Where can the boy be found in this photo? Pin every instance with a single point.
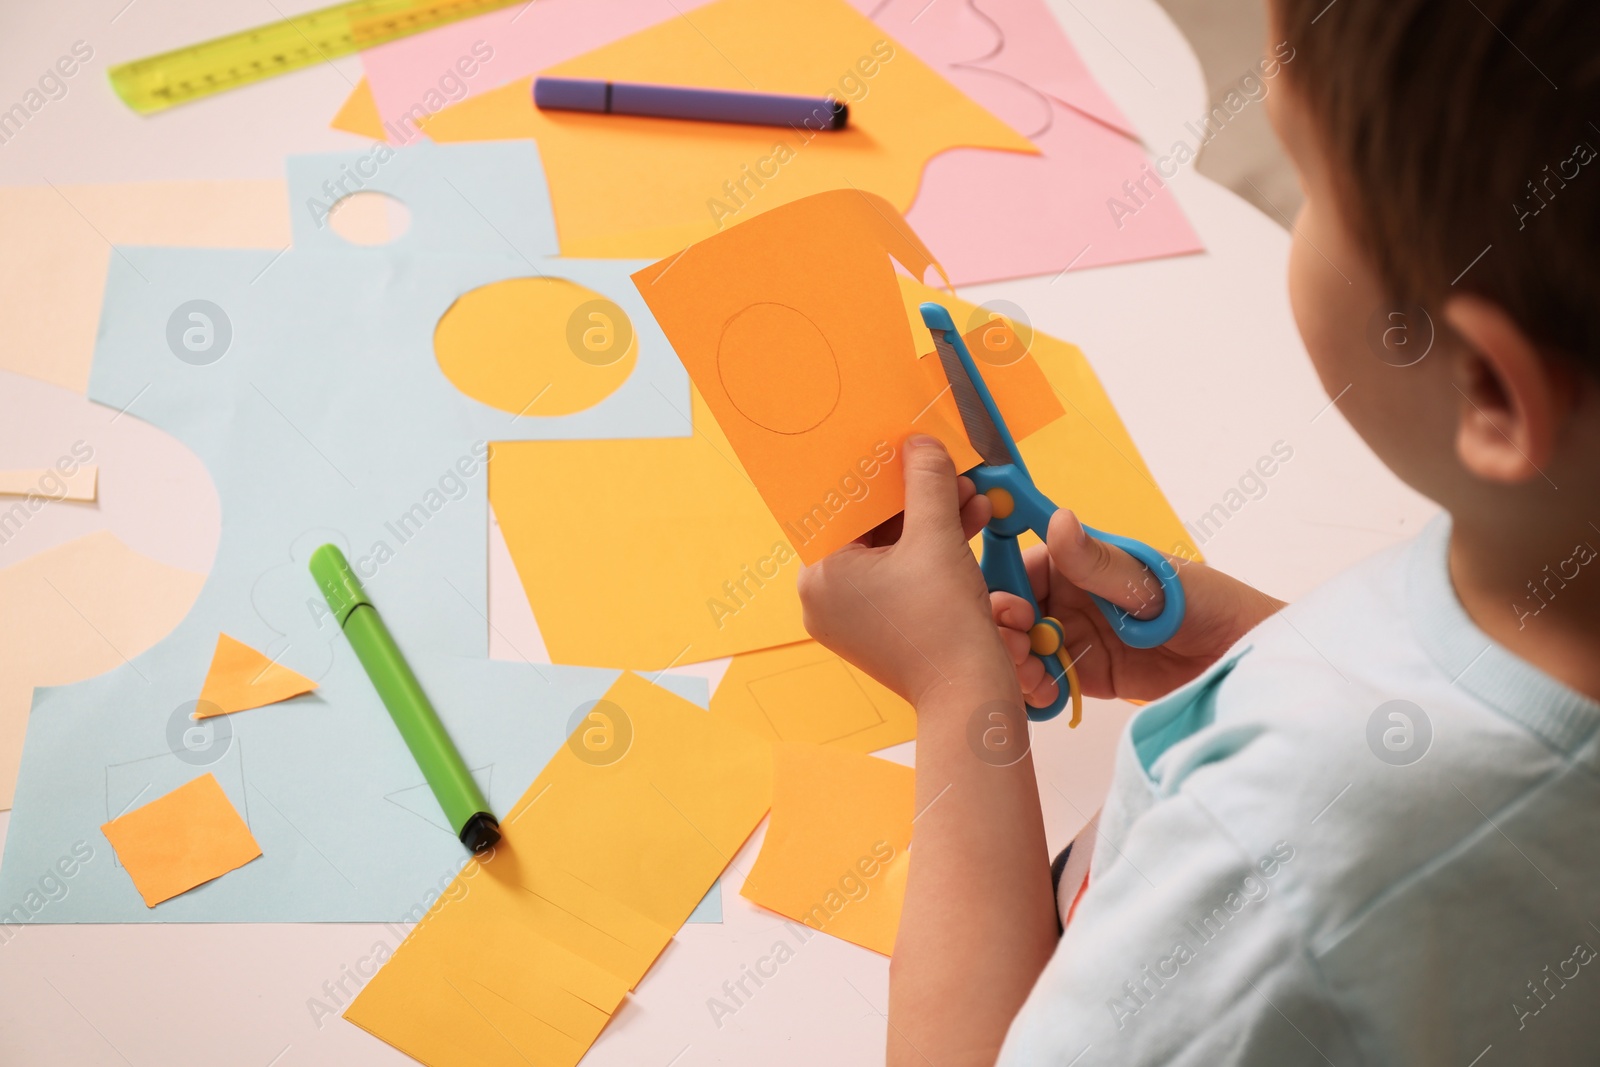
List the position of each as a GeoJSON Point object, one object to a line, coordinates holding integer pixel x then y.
{"type": "Point", "coordinates": [1364, 828]}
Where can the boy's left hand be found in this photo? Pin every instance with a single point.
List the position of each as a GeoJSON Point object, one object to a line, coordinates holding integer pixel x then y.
{"type": "Point", "coordinates": [907, 602]}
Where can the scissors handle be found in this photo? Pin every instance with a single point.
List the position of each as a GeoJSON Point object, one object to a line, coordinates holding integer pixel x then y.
{"type": "Point", "coordinates": [1020, 506]}
{"type": "Point", "coordinates": [1003, 571]}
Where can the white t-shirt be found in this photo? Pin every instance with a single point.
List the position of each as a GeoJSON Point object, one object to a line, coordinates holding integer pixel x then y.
{"type": "Point", "coordinates": [1369, 835]}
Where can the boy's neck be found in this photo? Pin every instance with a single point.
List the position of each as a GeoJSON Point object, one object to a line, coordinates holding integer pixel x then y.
{"type": "Point", "coordinates": [1539, 597]}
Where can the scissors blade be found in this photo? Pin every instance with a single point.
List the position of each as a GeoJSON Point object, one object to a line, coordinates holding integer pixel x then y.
{"type": "Point", "coordinates": [981, 430]}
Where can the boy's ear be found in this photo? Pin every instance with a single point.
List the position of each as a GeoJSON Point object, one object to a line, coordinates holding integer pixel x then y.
{"type": "Point", "coordinates": [1513, 399]}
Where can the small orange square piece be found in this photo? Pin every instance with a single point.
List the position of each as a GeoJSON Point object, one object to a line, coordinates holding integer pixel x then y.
{"type": "Point", "coordinates": [181, 840]}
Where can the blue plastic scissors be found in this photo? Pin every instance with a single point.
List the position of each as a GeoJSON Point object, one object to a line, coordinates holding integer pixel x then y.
{"type": "Point", "coordinates": [1019, 505]}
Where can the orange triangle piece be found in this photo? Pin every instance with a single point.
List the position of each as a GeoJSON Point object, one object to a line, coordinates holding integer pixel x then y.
{"type": "Point", "coordinates": [359, 114]}
{"type": "Point", "coordinates": [241, 678]}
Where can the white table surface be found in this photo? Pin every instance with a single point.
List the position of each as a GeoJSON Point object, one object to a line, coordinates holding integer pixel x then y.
{"type": "Point", "coordinates": [1199, 354]}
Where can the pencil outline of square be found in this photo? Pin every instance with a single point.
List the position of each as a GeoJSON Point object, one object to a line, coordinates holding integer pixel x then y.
{"type": "Point", "coordinates": [837, 664]}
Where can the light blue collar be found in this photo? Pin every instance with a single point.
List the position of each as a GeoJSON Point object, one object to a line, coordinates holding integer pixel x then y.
{"type": "Point", "coordinates": [1472, 660]}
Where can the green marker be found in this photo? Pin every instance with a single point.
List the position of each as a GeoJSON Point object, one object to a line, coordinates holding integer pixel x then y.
{"type": "Point", "coordinates": [402, 694]}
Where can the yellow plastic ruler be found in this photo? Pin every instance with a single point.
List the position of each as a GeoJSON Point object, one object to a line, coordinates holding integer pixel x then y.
{"type": "Point", "coordinates": [185, 74]}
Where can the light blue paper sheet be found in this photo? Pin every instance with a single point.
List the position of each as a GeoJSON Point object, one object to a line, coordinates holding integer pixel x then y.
{"type": "Point", "coordinates": [326, 419]}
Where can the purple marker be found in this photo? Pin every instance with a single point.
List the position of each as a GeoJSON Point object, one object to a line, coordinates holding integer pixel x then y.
{"type": "Point", "coordinates": [675, 102]}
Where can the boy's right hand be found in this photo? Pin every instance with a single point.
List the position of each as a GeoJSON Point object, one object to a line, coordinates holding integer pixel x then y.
{"type": "Point", "coordinates": [1072, 565]}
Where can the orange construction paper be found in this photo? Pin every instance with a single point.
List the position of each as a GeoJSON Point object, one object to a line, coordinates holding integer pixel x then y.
{"type": "Point", "coordinates": [804, 693]}
{"type": "Point", "coordinates": [241, 678]}
{"type": "Point", "coordinates": [183, 839]}
{"type": "Point", "coordinates": [629, 187]}
{"type": "Point", "coordinates": [532, 948]}
{"type": "Point", "coordinates": [359, 114]}
{"type": "Point", "coordinates": [70, 613]}
{"type": "Point", "coordinates": [790, 326]}
{"type": "Point", "coordinates": [835, 854]}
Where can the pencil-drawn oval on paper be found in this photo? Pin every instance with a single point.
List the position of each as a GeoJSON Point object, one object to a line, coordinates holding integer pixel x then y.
{"type": "Point", "coordinates": [778, 368]}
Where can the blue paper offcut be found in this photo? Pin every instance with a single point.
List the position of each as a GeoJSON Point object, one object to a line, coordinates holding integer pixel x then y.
{"type": "Point", "coordinates": [326, 418]}
{"type": "Point", "coordinates": [709, 910]}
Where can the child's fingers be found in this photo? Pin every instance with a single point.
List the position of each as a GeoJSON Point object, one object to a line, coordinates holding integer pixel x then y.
{"type": "Point", "coordinates": [1043, 695]}
{"type": "Point", "coordinates": [1016, 642]}
{"type": "Point", "coordinates": [1031, 674]}
{"type": "Point", "coordinates": [976, 509]}
{"type": "Point", "coordinates": [1098, 568]}
{"type": "Point", "coordinates": [932, 510]}
{"type": "Point", "coordinates": [1011, 612]}
{"type": "Point", "coordinates": [1036, 561]}
{"type": "Point", "coordinates": [965, 490]}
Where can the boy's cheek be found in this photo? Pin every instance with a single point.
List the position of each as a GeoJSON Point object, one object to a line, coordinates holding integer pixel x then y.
{"type": "Point", "coordinates": [1320, 308]}
{"type": "Point", "coordinates": [1402, 414]}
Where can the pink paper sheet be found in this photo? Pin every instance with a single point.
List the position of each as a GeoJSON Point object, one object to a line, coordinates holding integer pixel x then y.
{"type": "Point", "coordinates": [1018, 39]}
{"type": "Point", "coordinates": [989, 216]}
{"type": "Point", "coordinates": [430, 70]}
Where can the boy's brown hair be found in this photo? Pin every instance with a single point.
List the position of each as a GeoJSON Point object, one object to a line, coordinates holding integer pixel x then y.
{"type": "Point", "coordinates": [1464, 128]}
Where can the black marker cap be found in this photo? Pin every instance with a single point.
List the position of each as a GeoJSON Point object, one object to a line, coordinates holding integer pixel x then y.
{"type": "Point", "coordinates": [481, 832]}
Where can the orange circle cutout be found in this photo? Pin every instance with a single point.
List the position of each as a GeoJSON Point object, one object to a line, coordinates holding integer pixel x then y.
{"type": "Point", "coordinates": [511, 344]}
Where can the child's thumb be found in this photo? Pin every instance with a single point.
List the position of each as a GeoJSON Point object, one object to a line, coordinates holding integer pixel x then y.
{"type": "Point", "coordinates": [1099, 568]}
{"type": "Point", "coordinates": [932, 509]}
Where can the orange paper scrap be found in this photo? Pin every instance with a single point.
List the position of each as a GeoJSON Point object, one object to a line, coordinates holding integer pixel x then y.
{"type": "Point", "coordinates": [359, 114]}
{"type": "Point", "coordinates": [241, 678]}
{"type": "Point", "coordinates": [1013, 376]}
{"type": "Point", "coordinates": [1085, 460]}
{"type": "Point", "coordinates": [51, 484]}
{"type": "Point", "coordinates": [835, 855]}
{"type": "Point", "coordinates": [532, 949]}
{"type": "Point", "coordinates": [630, 187]}
{"type": "Point", "coordinates": [804, 693]}
{"type": "Point", "coordinates": [183, 839]}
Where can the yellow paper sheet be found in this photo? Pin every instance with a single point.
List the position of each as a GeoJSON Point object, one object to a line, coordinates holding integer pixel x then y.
{"type": "Point", "coordinates": [183, 839]}
{"type": "Point", "coordinates": [507, 344]}
{"type": "Point", "coordinates": [673, 810]}
{"type": "Point", "coordinates": [58, 242]}
{"type": "Point", "coordinates": [804, 693]}
{"type": "Point", "coordinates": [70, 613]}
{"type": "Point", "coordinates": [241, 678]}
{"type": "Point", "coordinates": [359, 114]}
{"type": "Point", "coordinates": [628, 187]}
{"type": "Point", "coordinates": [788, 323]}
{"type": "Point", "coordinates": [531, 950]}
{"type": "Point", "coordinates": [835, 853]}
{"type": "Point", "coordinates": [645, 553]}
{"type": "Point", "coordinates": [51, 484]}
{"type": "Point", "coordinates": [470, 989]}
